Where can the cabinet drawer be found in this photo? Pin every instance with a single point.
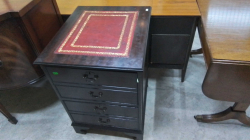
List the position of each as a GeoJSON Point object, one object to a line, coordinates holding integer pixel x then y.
{"type": "Point", "coordinates": [114, 122]}
{"type": "Point", "coordinates": [83, 76]}
{"type": "Point", "coordinates": [171, 25]}
{"type": "Point", "coordinates": [104, 109]}
{"type": "Point", "coordinates": [169, 49]}
{"type": "Point", "coordinates": [117, 96]}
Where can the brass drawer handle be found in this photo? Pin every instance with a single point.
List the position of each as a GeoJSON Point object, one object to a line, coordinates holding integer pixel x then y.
{"type": "Point", "coordinates": [102, 121]}
{"type": "Point", "coordinates": [98, 108]}
{"type": "Point", "coordinates": [90, 77]}
{"type": "Point", "coordinates": [96, 96]}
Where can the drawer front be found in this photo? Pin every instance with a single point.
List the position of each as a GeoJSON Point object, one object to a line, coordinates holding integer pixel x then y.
{"type": "Point", "coordinates": [171, 25]}
{"type": "Point", "coordinates": [97, 94]}
{"type": "Point", "coordinates": [103, 109]}
{"type": "Point", "coordinates": [82, 76]}
{"type": "Point", "coordinates": [113, 122]}
{"type": "Point", "coordinates": [169, 49]}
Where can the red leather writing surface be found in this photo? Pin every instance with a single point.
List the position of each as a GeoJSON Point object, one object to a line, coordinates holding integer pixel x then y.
{"type": "Point", "coordinates": [101, 33]}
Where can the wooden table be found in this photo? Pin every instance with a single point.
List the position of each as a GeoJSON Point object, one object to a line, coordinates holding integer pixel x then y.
{"type": "Point", "coordinates": [159, 7]}
{"type": "Point", "coordinates": [225, 36]}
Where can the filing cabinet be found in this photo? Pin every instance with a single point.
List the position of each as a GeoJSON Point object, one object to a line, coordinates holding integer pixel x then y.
{"type": "Point", "coordinates": [102, 92]}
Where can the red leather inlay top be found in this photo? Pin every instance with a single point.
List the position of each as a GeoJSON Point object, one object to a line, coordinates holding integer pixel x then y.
{"type": "Point", "coordinates": [101, 33]}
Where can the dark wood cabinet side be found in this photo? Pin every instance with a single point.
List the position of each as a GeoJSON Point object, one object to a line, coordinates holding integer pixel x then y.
{"type": "Point", "coordinates": [42, 23]}
{"type": "Point", "coordinates": [16, 56]}
{"type": "Point", "coordinates": [24, 33]}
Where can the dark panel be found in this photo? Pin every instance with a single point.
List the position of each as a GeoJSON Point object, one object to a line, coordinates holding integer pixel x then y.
{"type": "Point", "coordinates": [169, 49]}
{"type": "Point", "coordinates": [24, 32]}
{"type": "Point", "coordinates": [65, 17]}
{"type": "Point", "coordinates": [42, 23]}
{"type": "Point", "coordinates": [105, 121]}
{"type": "Point", "coordinates": [102, 109]}
{"type": "Point", "coordinates": [171, 25]}
{"type": "Point", "coordinates": [16, 56]}
{"type": "Point", "coordinates": [170, 41]}
{"type": "Point", "coordinates": [79, 93]}
{"type": "Point", "coordinates": [83, 76]}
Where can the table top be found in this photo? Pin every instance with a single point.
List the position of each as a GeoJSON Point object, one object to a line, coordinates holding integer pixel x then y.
{"type": "Point", "coordinates": [159, 7]}
{"type": "Point", "coordinates": [227, 27]}
{"type": "Point", "coordinates": [135, 60]}
{"type": "Point", "coordinates": [225, 35]}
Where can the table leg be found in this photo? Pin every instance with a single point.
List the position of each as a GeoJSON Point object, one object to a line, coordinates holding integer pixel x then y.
{"type": "Point", "coordinates": [7, 114]}
{"type": "Point", "coordinates": [84, 130]}
{"type": "Point", "coordinates": [238, 112]}
{"type": "Point", "coordinates": [135, 136]}
{"type": "Point", "coordinates": [198, 51]}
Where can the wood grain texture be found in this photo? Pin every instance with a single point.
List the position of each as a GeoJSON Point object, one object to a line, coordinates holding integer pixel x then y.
{"type": "Point", "coordinates": [227, 82]}
{"type": "Point", "coordinates": [42, 22]}
{"type": "Point", "coordinates": [175, 8]}
{"type": "Point", "coordinates": [159, 7]}
{"type": "Point", "coordinates": [227, 27]}
{"type": "Point", "coordinates": [26, 27]}
{"type": "Point", "coordinates": [224, 32]}
{"type": "Point", "coordinates": [133, 61]}
{"type": "Point", "coordinates": [17, 56]}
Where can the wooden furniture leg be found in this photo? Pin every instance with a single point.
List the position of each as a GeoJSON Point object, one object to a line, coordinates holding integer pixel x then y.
{"type": "Point", "coordinates": [10, 118]}
{"type": "Point", "coordinates": [84, 130]}
{"type": "Point", "coordinates": [237, 111]}
{"type": "Point", "coordinates": [198, 51]}
{"type": "Point", "coordinates": [135, 136]}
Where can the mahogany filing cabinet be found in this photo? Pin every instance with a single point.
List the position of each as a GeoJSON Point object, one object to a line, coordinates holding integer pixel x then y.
{"type": "Point", "coordinates": [98, 91]}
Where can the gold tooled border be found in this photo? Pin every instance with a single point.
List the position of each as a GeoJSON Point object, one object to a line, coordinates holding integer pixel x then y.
{"type": "Point", "coordinates": [102, 53]}
{"type": "Point", "coordinates": [101, 47]}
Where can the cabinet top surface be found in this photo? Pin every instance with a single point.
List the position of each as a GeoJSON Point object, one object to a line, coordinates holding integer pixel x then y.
{"type": "Point", "coordinates": [90, 57]}
{"type": "Point", "coordinates": [159, 7]}
{"type": "Point", "coordinates": [227, 27]}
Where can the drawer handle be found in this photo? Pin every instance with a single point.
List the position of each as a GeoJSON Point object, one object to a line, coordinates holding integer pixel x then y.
{"type": "Point", "coordinates": [1, 63]}
{"type": "Point", "coordinates": [96, 96]}
{"type": "Point", "coordinates": [100, 109]}
{"type": "Point", "coordinates": [90, 77]}
{"type": "Point", "coordinates": [101, 121]}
